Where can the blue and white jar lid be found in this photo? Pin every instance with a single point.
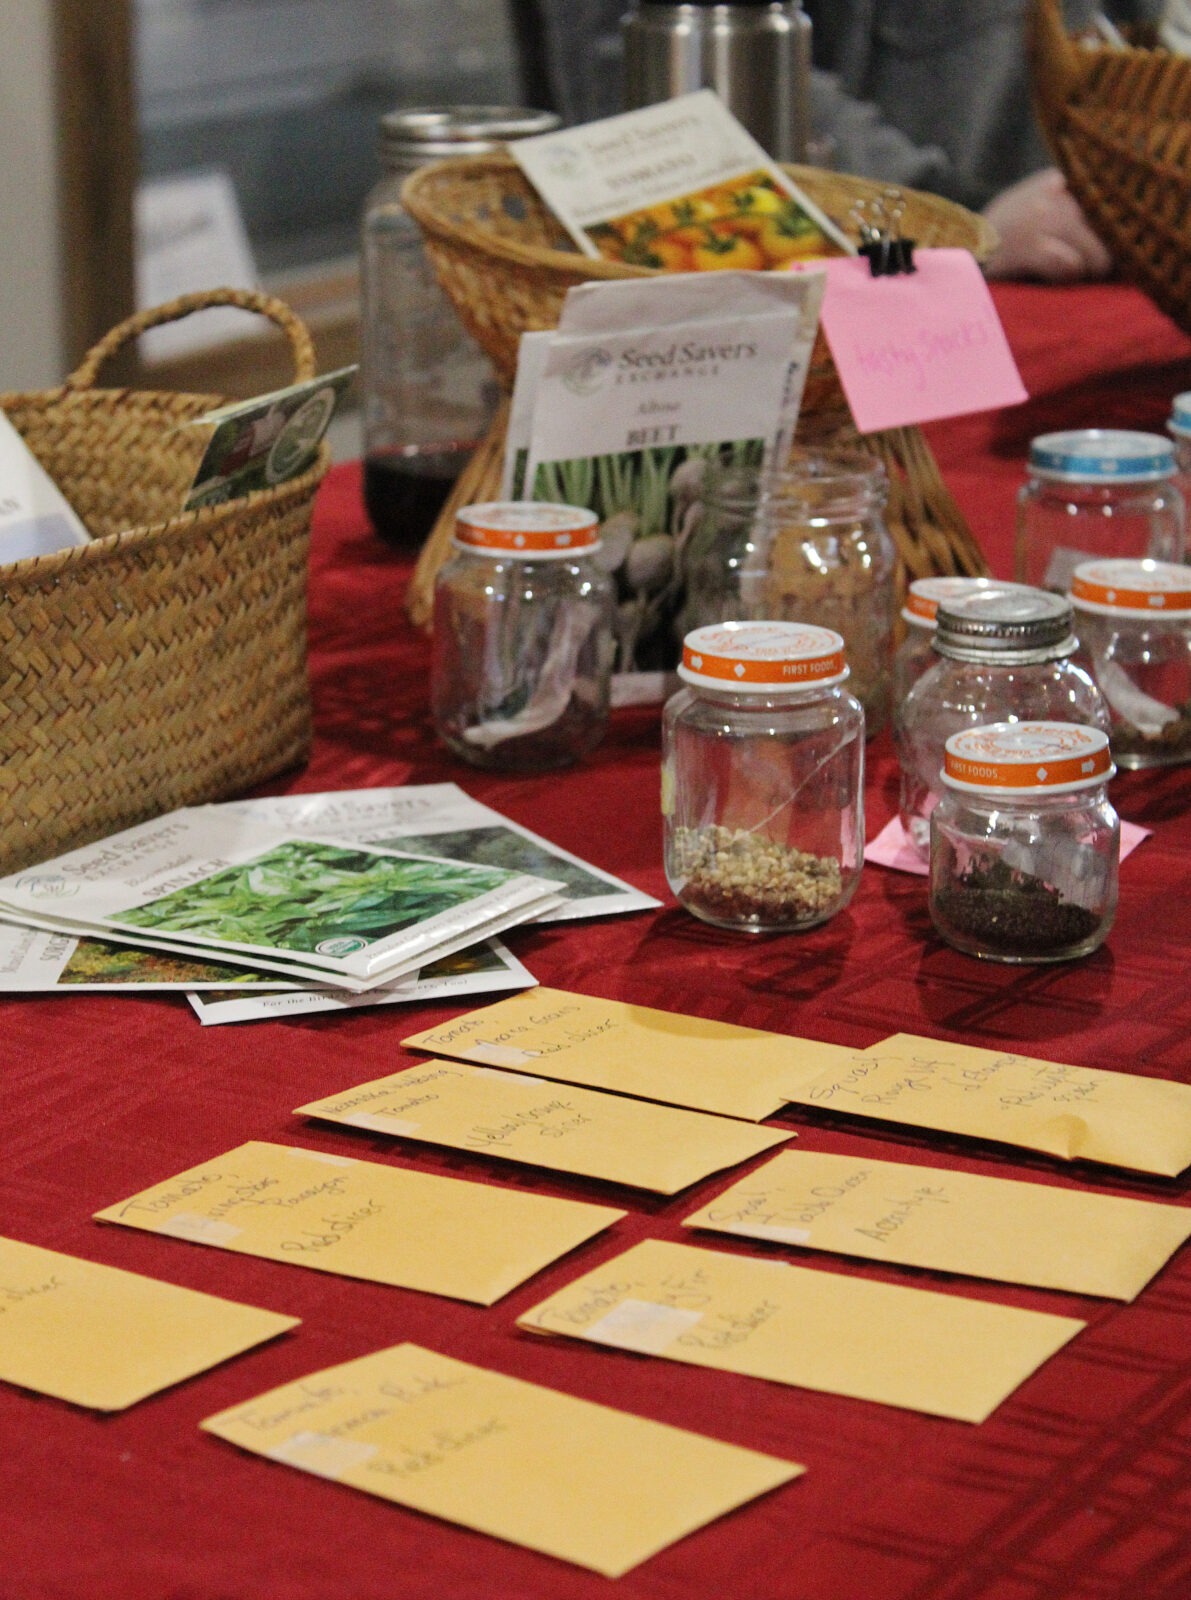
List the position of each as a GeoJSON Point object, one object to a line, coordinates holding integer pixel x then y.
{"type": "Point", "coordinates": [1102, 455]}
{"type": "Point", "coordinates": [1180, 416]}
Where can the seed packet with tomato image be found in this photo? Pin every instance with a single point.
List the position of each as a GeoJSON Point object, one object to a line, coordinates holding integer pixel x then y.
{"type": "Point", "coordinates": [680, 186]}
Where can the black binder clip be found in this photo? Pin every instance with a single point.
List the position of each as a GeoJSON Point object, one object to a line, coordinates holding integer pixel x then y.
{"type": "Point", "coordinates": [878, 221]}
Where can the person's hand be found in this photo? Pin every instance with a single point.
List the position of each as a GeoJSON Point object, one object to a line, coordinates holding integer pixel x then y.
{"type": "Point", "coordinates": [1043, 233]}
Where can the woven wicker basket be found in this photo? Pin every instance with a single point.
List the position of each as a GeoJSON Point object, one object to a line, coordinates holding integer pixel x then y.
{"type": "Point", "coordinates": [507, 264]}
{"type": "Point", "coordinates": [1118, 122]}
{"type": "Point", "coordinates": [164, 663]}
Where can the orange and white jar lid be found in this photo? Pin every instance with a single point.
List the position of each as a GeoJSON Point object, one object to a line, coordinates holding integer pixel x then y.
{"type": "Point", "coordinates": [763, 657]}
{"type": "Point", "coordinates": [527, 528]}
{"type": "Point", "coordinates": [1143, 588]}
{"type": "Point", "coordinates": [1027, 758]}
{"type": "Point", "coordinates": [924, 594]}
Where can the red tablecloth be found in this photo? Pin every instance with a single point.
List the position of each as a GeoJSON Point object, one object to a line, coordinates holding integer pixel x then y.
{"type": "Point", "coordinates": [1078, 1488]}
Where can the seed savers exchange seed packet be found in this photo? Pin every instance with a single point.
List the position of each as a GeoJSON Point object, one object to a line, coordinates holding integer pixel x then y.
{"type": "Point", "coordinates": [680, 185]}
{"type": "Point", "coordinates": [209, 880]}
{"type": "Point", "coordinates": [480, 969]}
{"type": "Point", "coordinates": [439, 819]}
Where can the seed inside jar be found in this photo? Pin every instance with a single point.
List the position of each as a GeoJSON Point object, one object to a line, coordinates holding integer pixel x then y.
{"type": "Point", "coordinates": [732, 875]}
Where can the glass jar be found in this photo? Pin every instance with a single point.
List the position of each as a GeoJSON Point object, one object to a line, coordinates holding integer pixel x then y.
{"type": "Point", "coordinates": [806, 543]}
{"type": "Point", "coordinates": [1024, 842]}
{"type": "Point", "coordinates": [1003, 655]}
{"type": "Point", "coordinates": [522, 637]}
{"type": "Point", "coordinates": [916, 653]}
{"type": "Point", "coordinates": [763, 777]}
{"type": "Point", "coordinates": [1134, 621]}
{"type": "Point", "coordinates": [1096, 492]}
{"type": "Point", "coordinates": [1179, 428]}
{"type": "Point", "coordinates": [429, 391]}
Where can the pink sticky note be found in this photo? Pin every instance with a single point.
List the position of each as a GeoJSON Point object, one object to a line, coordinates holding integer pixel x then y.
{"type": "Point", "coordinates": [891, 848]}
{"type": "Point", "coordinates": [919, 345]}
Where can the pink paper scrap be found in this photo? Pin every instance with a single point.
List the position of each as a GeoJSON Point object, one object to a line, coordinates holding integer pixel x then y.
{"type": "Point", "coordinates": [891, 848]}
{"type": "Point", "coordinates": [917, 346]}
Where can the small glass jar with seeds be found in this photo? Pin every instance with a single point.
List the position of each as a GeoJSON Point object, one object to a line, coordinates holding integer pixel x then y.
{"type": "Point", "coordinates": [1024, 842]}
{"type": "Point", "coordinates": [763, 777]}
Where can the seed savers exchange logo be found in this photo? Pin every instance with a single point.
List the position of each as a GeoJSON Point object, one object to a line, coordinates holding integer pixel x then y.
{"type": "Point", "coordinates": [587, 371]}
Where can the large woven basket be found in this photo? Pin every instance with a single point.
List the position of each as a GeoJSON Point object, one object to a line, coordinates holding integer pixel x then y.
{"type": "Point", "coordinates": [1118, 122]}
{"type": "Point", "coordinates": [507, 264]}
{"type": "Point", "coordinates": [164, 663]}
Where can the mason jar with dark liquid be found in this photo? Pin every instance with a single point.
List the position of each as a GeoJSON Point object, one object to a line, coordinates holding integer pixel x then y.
{"type": "Point", "coordinates": [429, 390]}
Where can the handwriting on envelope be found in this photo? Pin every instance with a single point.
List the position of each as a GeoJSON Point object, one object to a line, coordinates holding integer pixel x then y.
{"type": "Point", "coordinates": [559, 1475]}
{"type": "Point", "coordinates": [950, 1221]}
{"type": "Point", "coordinates": [635, 1050]}
{"type": "Point", "coordinates": [101, 1337]}
{"type": "Point", "coordinates": [1076, 1113]}
{"type": "Point", "coordinates": [942, 1354]}
{"type": "Point", "coordinates": [446, 1236]}
{"type": "Point", "coordinates": [519, 1118]}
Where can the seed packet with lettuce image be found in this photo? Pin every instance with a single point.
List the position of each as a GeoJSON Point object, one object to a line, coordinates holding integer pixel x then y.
{"type": "Point", "coordinates": [210, 880]}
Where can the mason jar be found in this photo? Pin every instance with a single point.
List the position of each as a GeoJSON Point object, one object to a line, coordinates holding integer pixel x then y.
{"type": "Point", "coordinates": [916, 653]}
{"type": "Point", "coordinates": [763, 777]}
{"type": "Point", "coordinates": [1134, 622]}
{"type": "Point", "coordinates": [1024, 842]}
{"type": "Point", "coordinates": [522, 637]}
{"type": "Point", "coordinates": [1096, 492]}
{"type": "Point", "coordinates": [1003, 655]}
{"type": "Point", "coordinates": [1179, 428]}
{"type": "Point", "coordinates": [806, 543]}
{"type": "Point", "coordinates": [429, 391]}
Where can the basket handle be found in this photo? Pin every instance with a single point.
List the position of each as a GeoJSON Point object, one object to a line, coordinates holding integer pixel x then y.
{"type": "Point", "coordinates": [85, 374]}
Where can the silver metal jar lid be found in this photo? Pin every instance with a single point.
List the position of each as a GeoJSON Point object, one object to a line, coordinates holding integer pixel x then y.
{"type": "Point", "coordinates": [431, 133]}
{"type": "Point", "coordinates": [1009, 623]}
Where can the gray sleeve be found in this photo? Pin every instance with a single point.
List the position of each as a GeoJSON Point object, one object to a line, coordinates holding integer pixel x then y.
{"type": "Point", "coordinates": [853, 138]}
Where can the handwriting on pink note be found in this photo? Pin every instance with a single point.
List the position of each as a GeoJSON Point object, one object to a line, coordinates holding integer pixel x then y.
{"type": "Point", "coordinates": [920, 345]}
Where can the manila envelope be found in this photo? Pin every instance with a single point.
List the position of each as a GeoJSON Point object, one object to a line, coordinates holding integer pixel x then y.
{"type": "Point", "coordinates": [470, 1241]}
{"type": "Point", "coordinates": [953, 1222]}
{"type": "Point", "coordinates": [937, 1353]}
{"type": "Point", "coordinates": [519, 1118]}
{"type": "Point", "coordinates": [635, 1050]}
{"type": "Point", "coordinates": [559, 1475]}
{"type": "Point", "coordinates": [1076, 1113]}
{"type": "Point", "coordinates": [101, 1337]}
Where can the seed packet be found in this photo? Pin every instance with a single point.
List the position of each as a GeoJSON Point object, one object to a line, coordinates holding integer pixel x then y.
{"type": "Point", "coordinates": [257, 444]}
{"type": "Point", "coordinates": [680, 186]}
{"type": "Point", "coordinates": [36, 519]}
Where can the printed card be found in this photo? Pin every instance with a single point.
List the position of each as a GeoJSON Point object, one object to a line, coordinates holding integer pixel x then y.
{"type": "Point", "coordinates": [938, 1353]}
{"type": "Point", "coordinates": [101, 1337]}
{"type": "Point", "coordinates": [635, 1050]}
{"type": "Point", "coordinates": [439, 819]}
{"type": "Point", "coordinates": [680, 185]}
{"type": "Point", "coordinates": [949, 1221]}
{"type": "Point", "coordinates": [517, 1118]}
{"type": "Point", "coordinates": [36, 519]}
{"type": "Point", "coordinates": [918, 346]}
{"type": "Point", "coordinates": [537, 1468]}
{"type": "Point", "coordinates": [33, 961]}
{"type": "Point", "coordinates": [1075, 1113]}
{"type": "Point", "coordinates": [468, 1241]}
{"type": "Point", "coordinates": [480, 969]}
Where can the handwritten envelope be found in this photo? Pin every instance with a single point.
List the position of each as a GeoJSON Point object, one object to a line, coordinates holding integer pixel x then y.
{"type": "Point", "coordinates": [469, 1241]}
{"type": "Point", "coordinates": [952, 1222]}
{"type": "Point", "coordinates": [635, 1050]}
{"type": "Point", "coordinates": [917, 346]}
{"type": "Point", "coordinates": [938, 1353]}
{"type": "Point", "coordinates": [101, 1337]}
{"type": "Point", "coordinates": [562, 1476]}
{"type": "Point", "coordinates": [1075, 1113]}
{"type": "Point", "coordinates": [519, 1118]}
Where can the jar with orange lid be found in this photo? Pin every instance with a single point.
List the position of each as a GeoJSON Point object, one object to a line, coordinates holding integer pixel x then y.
{"type": "Point", "coordinates": [522, 637]}
{"type": "Point", "coordinates": [763, 777]}
{"type": "Point", "coordinates": [1024, 842]}
{"type": "Point", "coordinates": [1134, 624]}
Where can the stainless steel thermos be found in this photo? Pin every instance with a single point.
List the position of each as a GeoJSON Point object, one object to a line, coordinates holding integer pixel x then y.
{"type": "Point", "coordinates": [755, 54]}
